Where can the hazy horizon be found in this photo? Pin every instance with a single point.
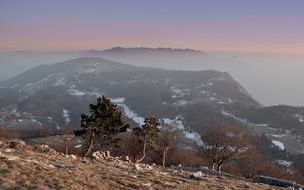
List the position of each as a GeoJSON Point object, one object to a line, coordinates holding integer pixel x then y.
{"type": "Point", "coordinates": [260, 43]}
{"type": "Point", "coordinates": [252, 26]}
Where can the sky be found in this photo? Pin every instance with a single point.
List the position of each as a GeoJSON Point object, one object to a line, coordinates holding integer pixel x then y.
{"type": "Point", "coordinates": [272, 26]}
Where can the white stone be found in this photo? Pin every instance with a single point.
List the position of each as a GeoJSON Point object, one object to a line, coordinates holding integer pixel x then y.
{"type": "Point", "coordinates": [197, 174]}
{"type": "Point", "coordinates": [138, 167]}
{"type": "Point", "coordinates": [8, 150]}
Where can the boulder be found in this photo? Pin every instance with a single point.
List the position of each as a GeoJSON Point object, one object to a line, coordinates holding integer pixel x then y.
{"type": "Point", "coordinates": [274, 181]}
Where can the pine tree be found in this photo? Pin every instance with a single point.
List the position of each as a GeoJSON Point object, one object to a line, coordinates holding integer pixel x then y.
{"type": "Point", "coordinates": [104, 121]}
{"type": "Point", "coordinates": [148, 134]}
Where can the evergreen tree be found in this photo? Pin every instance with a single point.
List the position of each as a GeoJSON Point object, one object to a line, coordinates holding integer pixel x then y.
{"type": "Point", "coordinates": [104, 121]}
{"type": "Point", "coordinates": [148, 135]}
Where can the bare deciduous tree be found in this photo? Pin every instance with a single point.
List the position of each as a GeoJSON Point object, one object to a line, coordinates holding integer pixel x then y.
{"type": "Point", "coordinates": [223, 143]}
{"type": "Point", "coordinates": [68, 132]}
{"type": "Point", "coordinates": [167, 141]}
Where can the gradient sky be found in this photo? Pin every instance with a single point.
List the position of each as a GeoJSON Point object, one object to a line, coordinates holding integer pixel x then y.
{"type": "Point", "coordinates": [216, 25]}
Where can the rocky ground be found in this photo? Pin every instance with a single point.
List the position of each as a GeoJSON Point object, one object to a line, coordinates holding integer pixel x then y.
{"type": "Point", "coordinates": [39, 167]}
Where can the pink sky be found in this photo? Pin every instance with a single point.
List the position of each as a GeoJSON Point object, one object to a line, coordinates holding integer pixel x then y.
{"type": "Point", "coordinates": [254, 26]}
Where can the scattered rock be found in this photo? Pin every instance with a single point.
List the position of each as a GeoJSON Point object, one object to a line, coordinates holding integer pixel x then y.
{"type": "Point", "coordinates": [51, 166]}
{"type": "Point", "coordinates": [42, 148]}
{"type": "Point", "coordinates": [196, 175]}
{"type": "Point", "coordinates": [172, 184]}
{"type": "Point", "coordinates": [9, 157]}
{"type": "Point", "coordinates": [12, 158]}
{"type": "Point", "coordinates": [149, 184]}
{"type": "Point", "coordinates": [99, 155]}
{"type": "Point", "coordinates": [29, 165]}
{"type": "Point", "coordinates": [174, 171]}
{"type": "Point", "coordinates": [127, 159]}
{"type": "Point", "coordinates": [15, 144]}
{"type": "Point", "coordinates": [203, 168]}
{"type": "Point", "coordinates": [8, 150]}
{"type": "Point", "coordinates": [71, 156]}
{"type": "Point", "coordinates": [138, 167]}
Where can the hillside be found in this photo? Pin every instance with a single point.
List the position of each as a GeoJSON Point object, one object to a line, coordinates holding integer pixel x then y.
{"type": "Point", "coordinates": [55, 95]}
{"type": "Point", "coordinates": [39, 167]}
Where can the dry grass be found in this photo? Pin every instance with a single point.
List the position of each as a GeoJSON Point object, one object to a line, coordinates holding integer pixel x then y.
{"type": "Point", "coordinates": [24, 167]}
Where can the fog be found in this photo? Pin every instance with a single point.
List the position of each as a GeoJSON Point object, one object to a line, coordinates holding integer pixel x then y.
{"type": "Point", "coordinates": [14, 63]}
{"type": "Point", "coordinates": [270, 79]}
{"type": "Point", "coordinates": [275, 79]}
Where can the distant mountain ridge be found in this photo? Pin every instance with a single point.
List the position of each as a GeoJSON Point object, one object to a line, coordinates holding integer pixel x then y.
{"type": "Point", "coordinates": [160, 50]}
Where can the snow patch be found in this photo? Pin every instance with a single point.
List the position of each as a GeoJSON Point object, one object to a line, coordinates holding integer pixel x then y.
{"type": "Point", "coordinates": [178, 123]}
{"type": "Point", "coordinates": [75, 92]}
{"type": "Point", "coordinates": [194, 136]}
{"type": "Point", "coordinates": [279, 144]}
{"type": "Point", "coordinates": [299, 117]}
{"type": "Point", "coordinates": [278, 136]}
{"type": "Point", "coordinates": [60, 82]}
{"type": "Point", "coordinates": [15, 113]}
{"type": "Point", "coordinates": [66, 115]}
{"type": "Point", "coordinates": [118, 100]}
{"type": "Point", "coordinates": [131, 114]}
{"type": "Point", "coordinates": [35, 121]}
{"type": "Point", "coordinates": [180, 102]}
{"type": "Point", "coordinates": [244, 121]}
{"type": "Point", "coordinates": [284, 163]}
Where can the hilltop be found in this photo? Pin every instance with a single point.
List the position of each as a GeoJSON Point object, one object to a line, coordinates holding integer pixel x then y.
{"type": "Point", "coordinates": [40, 167]}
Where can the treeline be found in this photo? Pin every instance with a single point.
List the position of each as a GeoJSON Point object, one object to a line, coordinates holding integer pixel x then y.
{"type": "Point", "coordinates": [224, 147]}
{"type": "Point", "coordinates": [34, 132]}
{"type": "Point", "coordinates": [21, 133]}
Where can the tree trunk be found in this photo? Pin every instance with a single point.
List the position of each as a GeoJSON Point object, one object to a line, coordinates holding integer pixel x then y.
{"type": "Point", "coordinates": [66, 148]}
{"type": "Point", "coordinates": [213, 166]}
{"type": "Point", "coordinates": [90, 145]}
{"type": "Point", "coordinates": [219, 167]}
{"type": "Point", "coordinates": [164, 156]}
{"type": "Point", "coordinates": [144, 152]}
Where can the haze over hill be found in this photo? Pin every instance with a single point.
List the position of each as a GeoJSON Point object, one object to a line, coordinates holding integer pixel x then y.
{"type": "Point", "coordinates": [55, 95]}
{"type": "Point", "coordinates": [271, 79]}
